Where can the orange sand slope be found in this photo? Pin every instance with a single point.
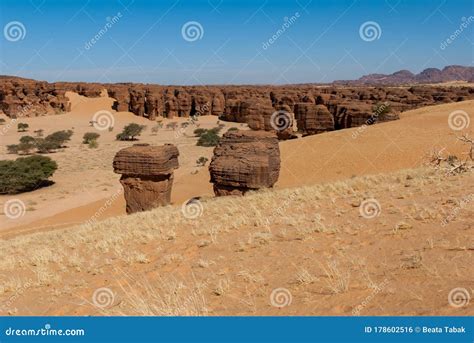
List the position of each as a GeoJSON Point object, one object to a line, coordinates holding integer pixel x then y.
{"type": "Point", "coordinates": [380, 148]}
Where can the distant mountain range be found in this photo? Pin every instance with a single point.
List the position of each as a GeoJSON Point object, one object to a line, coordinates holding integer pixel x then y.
{"type": "Point", "coordinates": [429, 75]}
{"type": "Point", "coordinates": [401, 77]}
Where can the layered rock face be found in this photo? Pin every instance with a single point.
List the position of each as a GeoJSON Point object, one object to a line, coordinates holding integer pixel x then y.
{"type": "Point", "coordinates": [243, 161]}
{"type": "Point", "coordinates": [349, 106]}
{"type": "Point", "coordinates": [147, 175]}
{"type": "Point", "coordinates": [30, 98]}
{"type": "Point", "coordinates": [313, 119]}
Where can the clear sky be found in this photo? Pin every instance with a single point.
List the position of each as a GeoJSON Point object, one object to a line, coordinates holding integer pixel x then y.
{"type": "Point", "coordinates": [230, 42]}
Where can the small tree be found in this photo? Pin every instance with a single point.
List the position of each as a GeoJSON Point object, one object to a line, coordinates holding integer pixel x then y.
{"type": "Point", "coordinates": [156, 128]}
{"type": "Point", "coordinates": [201, 161]}
{"type": "Point", "coordinates": [59, 137]}
{"type": "Point", "coordinates": [130, 132]}
{"type": "Point", "coordinates": [45, 146]}
{"type": "Point", "coordinates": [207, 139]}
{"type": "Point", "coordinates": [27, 140]}
{"type": "Point", "coordinates": [25, 174]}
{"type": "Point", "coordinates": [22, 127]}
{"type": "Point", "coordinates": [90, 136]}
{"type": "Point", "coordinates": [12, 148]}
{"type": "Point", "coordinates": [199, 132]}
{"type": "Point", "coordinates": [173, 125]}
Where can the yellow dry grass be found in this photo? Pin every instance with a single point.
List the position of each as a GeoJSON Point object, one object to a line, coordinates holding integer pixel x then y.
{"type": "Point", "coordinates": [311, 241]}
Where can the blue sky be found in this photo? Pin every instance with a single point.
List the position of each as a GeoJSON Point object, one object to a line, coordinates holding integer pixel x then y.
{"type": "Point", "coordinates": [321, 42]}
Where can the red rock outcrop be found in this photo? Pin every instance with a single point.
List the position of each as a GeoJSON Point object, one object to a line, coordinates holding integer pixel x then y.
{"type": "Point", "coordinates": [349, 105]}
{"type": "Point", "coordinates": [147, 175]}
{"type": "Point", "coordinates": [313, 119]}
{"type": "Point", "coordinates": [243, 161]}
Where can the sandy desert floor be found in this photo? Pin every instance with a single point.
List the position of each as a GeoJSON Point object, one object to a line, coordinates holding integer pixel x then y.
{"type": "Point", "coordinates": [84, 180]}
{"type": "Point", "coordinates": [308, 247]}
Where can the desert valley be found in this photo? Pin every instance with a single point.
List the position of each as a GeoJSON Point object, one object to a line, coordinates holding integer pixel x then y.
{"type": "Point", "coordinates": [349, 198]}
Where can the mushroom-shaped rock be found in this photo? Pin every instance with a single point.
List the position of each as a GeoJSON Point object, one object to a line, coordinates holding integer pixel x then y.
{"type": "Point", "coordinates": [243, 161]}
{"type": "Point", "coordinates": [147, 175]}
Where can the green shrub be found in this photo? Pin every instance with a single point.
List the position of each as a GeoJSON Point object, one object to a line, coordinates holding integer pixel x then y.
{"type": "Point", "coordinates": [156, 128]}
{"type": "Point", "coordinates": [90, 136]}
{"type": "Point", "coordinates": [199, 132]}
{"type": "Point", "coordinates": [208, 138]}
{"type": "Point", "coordinates": [2, 121]}
{"type": "Point", "coordinates": [25, 174]}
{"type": "Point", "coordinates": [59, 137]}
{"type": "Point", "coordinates": [233, 129]}
{"type": "Point", "coordinates": [201, 161]}
{"type": "Point", "coordinates": [45, 146]}
{"type": "Point", "coordinates": [173, 125]}
{"type": "Point", "coordinates": [22, 127]}
{"type": "Point", "coordinates": [27, 140]}
{"type": "Point", "coordinates": [380, 111]}
{"type": "Point", "coordinates": [130, 132]}
{"type": "Point", "coordinates": [12, 148]}
{"type": "Point", "coordinates": [93, 144]}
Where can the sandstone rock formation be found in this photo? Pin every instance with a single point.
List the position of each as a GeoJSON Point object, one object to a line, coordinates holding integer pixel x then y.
{"type": "Point", "coordinates": [147, 175]}
{"type": "Point", "coordinates": [313, 119]}
{"type": "Point", "coordinates": [243, 161]}
{"type": "Point", "coordinates": [349, 106]}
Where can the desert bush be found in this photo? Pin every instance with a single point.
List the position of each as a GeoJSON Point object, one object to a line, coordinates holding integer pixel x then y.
{"type": "Point", "coordinates": [59, 137]}
{"type": "Point", "coordinates": [2, 121]}
{"type": "Point", "coordinates": [199, 132]}
{"type": "Point", "coordinates": [156, 128]}
{"type": "Point", "coordinates": [208, 138]}
{"type": "Point", "coordinates": [93, 144]}
{"type": "Point", "coordinates": [90, 136]}
{"type": "Point", "coordinates": [25, 174]}
{"type": "Point", "coordinates": [27, 140]}
{"type": "Point", "coordinates": [12, 148]}
{"type": "Point", "coordinates": [380, 111]}
{"type": "Point", "coordinates": [130, 131]}
{"type": "Point", "coordinates": [22, 127]}
{"type": "Point", "coordinates": [45, 146]}
{"type": "Point", "coordinates": [173, 125]}
{"type": "Point", "coordinates": [201, 161]}
{"type": "Point", "coordinates": [233, 129]}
